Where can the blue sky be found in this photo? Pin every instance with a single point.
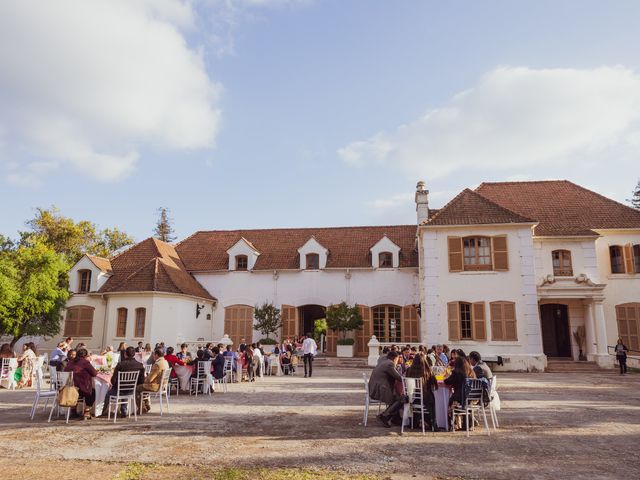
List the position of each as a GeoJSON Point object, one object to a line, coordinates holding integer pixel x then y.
{"type": "Point", "coordinates": [277, 113]}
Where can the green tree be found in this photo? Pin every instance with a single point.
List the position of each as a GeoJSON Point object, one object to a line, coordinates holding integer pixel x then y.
{"type": "Point", "coordinates": [164, 228]}
{"type": "Point", "coordinates": [343, 318]}
{"type": "Point", "coordinates": [319, 327]}
{"type": "Point", "coordinates": [635, 197]}
{"type": "Point", "coordinates": [70, 238]}
{"type": "Point", "coordinates": [267, 318]}
{"type": "Point", "coordinates": [35, 289]}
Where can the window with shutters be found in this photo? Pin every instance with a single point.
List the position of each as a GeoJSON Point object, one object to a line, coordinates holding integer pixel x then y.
{"type": "Point", "coordinates": [79, 321]}
{"type": "Point", "coordinates": [313, 261]}
{"type": "Point", "coordinates": [238, 323]}
{"type": "Point", "coordinates": [503, 321]}
{"type": "Point", "coordinates": [562, 263]}
{"type": "Point", "coordinates": [141, 317]}
{"type": "Point", "coordinates": [628, 318]}
{"type": "Point", "coordinates": [477, 253]}
{"type": "Point", "coordinates": [617, 259]}
{"type": "Point", "coordinates": [385, 260]}
{"type": "Point", "coordinates": [636, 258]}
{"type": "Point", "coordinates": [121, 323]}
{"type": "Point", "coordinates": [466, 321]}
{"type": "Point", "coordinates": [387, 323]}
{"type": "Point", "coordinates": [242, 262]}
{"type": "Point", "coordinates": [84, 281]}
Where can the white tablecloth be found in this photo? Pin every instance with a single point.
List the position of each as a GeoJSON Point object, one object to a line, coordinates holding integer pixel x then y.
{"type": "Point", "coordinates": [442, 395]}
{"type": "Point", "coordinates": [101, 386]}
{"type": "Point", "coordinates": [274, 361]}
{"type": "Point", "coordinates": [184, 373]}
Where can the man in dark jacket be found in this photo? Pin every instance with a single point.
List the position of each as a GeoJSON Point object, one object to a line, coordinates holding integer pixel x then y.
{"type": "Point", "coordinates": [382, 387]}
{"type": "Point", "coordinates": [128, 364]}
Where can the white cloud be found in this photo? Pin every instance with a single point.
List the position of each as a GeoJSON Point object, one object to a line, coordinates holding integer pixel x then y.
{"type": "Point", "coordinates": [514, 118]}
{"type": "Point", "coordinates": [90, 83]}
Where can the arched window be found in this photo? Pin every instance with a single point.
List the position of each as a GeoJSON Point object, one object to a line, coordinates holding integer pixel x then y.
{"type": "Point", "coordinates": [617, 259]}
{"type": "Point", "coordinates": [141, 317]}
{"type": "Point", "coordinates": [477, 253]}
{"type": "Point", "coordinates": [121, 325]}
{"type": "Point", "coordinates": [387, 321]}
{"type": "Point", "coordinates": [79, 321]}
{"type": "Point", "coordinates": [242, 262]}
{"type": "Point", "coordinates": [562, 263]}
{"type": "Point", "coordinates": [313, 261]}
{"type": "Point", "coordinates": [84, 281]}
{"type": "Point", "coordinates": [385, 260]}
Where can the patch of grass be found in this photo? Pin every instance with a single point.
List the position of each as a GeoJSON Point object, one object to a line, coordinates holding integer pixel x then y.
{"type": "Point", "coordinates": [285, 474]}
{"type": "Point", "coordinates": [133, 471]}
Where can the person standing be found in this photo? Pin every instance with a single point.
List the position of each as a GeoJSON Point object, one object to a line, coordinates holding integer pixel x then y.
{"type": "Point", "coordinates": [309, 350]}
{"type": "Point", "coordinates": [621, 356]}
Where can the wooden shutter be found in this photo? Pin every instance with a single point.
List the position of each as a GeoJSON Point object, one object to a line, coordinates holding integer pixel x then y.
{"type": "Point", "coordinates": [289, 322]}
{"type": "Point", "coordinates": [479, 327]}
{"type": "Point", "coordinates": [497, 320]}
{"type": "Point", "coordinates": [453, 314]}
{"type": "Point", "coordinates": [455, 254]}
{"type": "Point", "coordinates": [141, 314]}
{"type": "Point", "coordinates": [628, 258]}
{"type": "Point", "coordinates": [85, 322]}
{"type": "Point", "coordinates": [500, 253]}
{"type": "Point", "coordinates": [363, 334]}
{"type": "Point", "coordinates": [409, 324]}
{"type": "Point", "coordinates": [510, 324]}
{"type": "Point", "coordinates": [71, 323]}
{"type": "Point", "coordinates": [121, 327]}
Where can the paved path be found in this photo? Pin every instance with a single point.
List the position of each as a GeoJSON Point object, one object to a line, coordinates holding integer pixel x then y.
{"type": "Point", "coordinates": [553, 426]}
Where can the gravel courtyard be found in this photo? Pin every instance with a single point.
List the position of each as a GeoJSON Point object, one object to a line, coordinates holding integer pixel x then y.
{"type": "Point", "coordinates": [552, 426]}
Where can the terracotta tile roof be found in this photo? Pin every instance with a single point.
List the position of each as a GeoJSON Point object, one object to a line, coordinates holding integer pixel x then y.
{"type": "Point", "coordinates": [152, 266]}
{"type": "Point", "coordinates": [348, 246]}
{"type": "Point", "coordinates": [102, 263]}
{"type": "Point", "coordinates": [562, 208]}
{"type": "Point", "coordinates": [471, 208]}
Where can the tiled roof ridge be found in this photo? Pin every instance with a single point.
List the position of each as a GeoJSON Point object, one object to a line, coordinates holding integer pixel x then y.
{"type": "Point", "coordinates": [607, 199]}
{"type": "Point", "coordinates": [96, 260]}
{"type": "Point", "coordinates": [275, 229]}
{"type": "Point", "coordinates": [130, 276]}
{"type": "Point", "coordinates": [468, 191]}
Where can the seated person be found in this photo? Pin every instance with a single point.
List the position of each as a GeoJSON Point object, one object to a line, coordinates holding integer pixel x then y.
{"type": "Point", "coordinates": [420, 369]}
{"type": "Point", "coordinates": [83, 373]}
{"type": "Point", "coordinates": [457, 380]}
{"type": "Point", "coordinates": [58, 356]}
{"type": "Point", "coordinates": [382, 388]}
{"type": "Point", "coordinates": [183, 354]}
{"type": "Point", "coordinates": [153, 380]}
{"type": "Point", "coordinates": [173, 360]}
{"type": "Point", "coordinates": [218, 364]}
{"type": "Point", "coordinates": [126, 364]}
{"type": "Point", "coordinates": [480, 368]}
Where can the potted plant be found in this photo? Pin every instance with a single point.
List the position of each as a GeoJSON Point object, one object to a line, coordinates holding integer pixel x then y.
{"type": "Point", "coordinates": [343, 319]}
{"type": "Point", "coordinates": [580, 336]}
{"type": "Point", "coordinates": [268, 322]}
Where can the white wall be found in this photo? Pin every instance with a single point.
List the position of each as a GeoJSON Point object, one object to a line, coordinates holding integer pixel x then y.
{"type": "Point", "coordinates": [516, 285]}
{"type": "Point", "coordinates": [583, 257]}
{"type": "Point", "coordinates": [324, 287]}
{"type": "Point", "coordinates": [98, 277]}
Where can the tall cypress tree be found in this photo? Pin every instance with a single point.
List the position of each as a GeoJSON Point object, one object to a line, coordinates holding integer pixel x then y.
{"type": "Point", "coordinates": [164, 229]}
{"type": "Point", "coordinates": [635, 197]}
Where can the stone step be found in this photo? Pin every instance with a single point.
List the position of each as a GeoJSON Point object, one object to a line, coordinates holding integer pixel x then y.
{"type": "Point", "coordinates": [340, 362]}
{"type": "Point", "coordinates": [571, 366]}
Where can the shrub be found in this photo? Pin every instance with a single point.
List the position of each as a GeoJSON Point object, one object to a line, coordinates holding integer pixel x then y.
{"type": "Point", "coordinates": [346, 341]}
{"type": "Point", "coordinates": [268, 341]}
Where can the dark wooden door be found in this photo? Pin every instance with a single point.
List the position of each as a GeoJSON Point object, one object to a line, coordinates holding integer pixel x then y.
{"type": "Point", "coordinates": [556, 340]}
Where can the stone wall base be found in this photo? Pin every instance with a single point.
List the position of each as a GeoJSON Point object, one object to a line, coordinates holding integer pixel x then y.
{"type": "Point", "coordinates": [521, 363]}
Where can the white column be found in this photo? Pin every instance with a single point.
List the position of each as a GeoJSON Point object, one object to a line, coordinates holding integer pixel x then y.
{"type": "Point", "coordinates": [601, 328]}
{"type": "Point", "coordinates": [374, 351]}
{"type": "Point", "coordinates": [590, 328]}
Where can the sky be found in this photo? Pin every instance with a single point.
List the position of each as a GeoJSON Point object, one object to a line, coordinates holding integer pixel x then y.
{"type": "Point", "coordinates": [302, 113]}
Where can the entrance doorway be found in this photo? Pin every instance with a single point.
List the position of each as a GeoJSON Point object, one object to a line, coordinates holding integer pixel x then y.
{"type": "Point", "coordinates": [307, 315]}
{"type": "Point", "coordinates": [556, 339]}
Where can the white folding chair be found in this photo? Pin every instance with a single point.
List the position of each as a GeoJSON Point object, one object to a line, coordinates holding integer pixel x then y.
{"type": "Point", "coordinates": [228, 368]}
{"type": "Point", "coordinates": [413, 389]}
{"type": "Point", "coordinates": [115, 358]}
{"type": "Point", "coordinates": [174, 382]}
{"type": "Point", "coordinates": [7, 372]}
{"type": "Point", "coordinates": [147, 369]}
{"type": "Point", "coordinates": [493, 401]}
{"type": "Point", "coordinates": [41, 393]}
{"type": "Point", "coordinates": [473, 403]}
{"type": "Point", "coordinates": [164, 391]}
{"type": "Point", "coordinates": [125, 395]}
{"type": "Point", "coordinates": [204, 369]}
{"type": "Point", "coordinates": [60, 380]}
{"type": "Point", "coordinates": [368, 400]}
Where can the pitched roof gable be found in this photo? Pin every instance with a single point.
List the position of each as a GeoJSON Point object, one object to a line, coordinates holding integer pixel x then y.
{"type": "Point", "coordinates": [102, 263]}
{"type": "Point", "coordinates": [471, 208]}
{"type": "Point", "coordinates": [348, 246]}
{"type": "Point", "coordinates": [561, 207]}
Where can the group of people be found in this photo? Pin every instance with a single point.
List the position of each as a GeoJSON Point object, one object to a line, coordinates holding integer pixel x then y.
{"type": "Point", "coordinates": [27, 362]}
{"type": "Point", "coordinates": [386, 379]}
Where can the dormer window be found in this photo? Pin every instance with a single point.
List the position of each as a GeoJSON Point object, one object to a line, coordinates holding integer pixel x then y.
{"type": "Point", "coordinates": [313, 261]}
{"type": "Point", "coordinates": [242, 262]}
{"type": "Point", "coordinates": [562, 263]}
{"type": "Point", "coordinates": [385, 260]}
{"type": "Point", "coordinates": [617, 259]}
{"type": "Point", "coordinates": [84, 281]}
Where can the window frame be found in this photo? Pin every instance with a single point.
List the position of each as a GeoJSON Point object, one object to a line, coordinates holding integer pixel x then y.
{"type": "Point", "coordinates": [76, 322]}
{"type": "Point", "coordinates": [627, 339]}
{"type": "Point", "coordinates": [467, 306]}
{"type": "Point", "coordinates": [121, 332]}
{"type": "Point", "coordinates": [316, 256]}
{"type": "Point", "coordinates": [245, 267]}
{"type": "Point", "coordinates": [381, 319]}
{"type": "Point", "coordinates": [635, 249]}
{"type": "Point", "coordinates": [137, 332]}
{"type": "Point", "coordinates": [385, 259]}
{"type": "Point", "coordinates": [477, 266]}
{"type": "Point", "coordinates": [560, 270]}
{"type": "Point", "coordinates": [82, 288]}
{"type": "Point", "coordinates": [620, 255]}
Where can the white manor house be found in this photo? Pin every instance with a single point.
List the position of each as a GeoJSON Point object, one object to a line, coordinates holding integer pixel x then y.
{"type": "Point", "coordinates": [510, 269]}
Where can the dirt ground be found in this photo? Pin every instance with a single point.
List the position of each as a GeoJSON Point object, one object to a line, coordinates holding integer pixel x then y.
{"type": "Point", "coordinates": [552, 426]}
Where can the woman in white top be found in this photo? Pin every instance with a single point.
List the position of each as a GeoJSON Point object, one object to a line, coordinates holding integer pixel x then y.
{"type": "Point", "coordinates": [28, 359]}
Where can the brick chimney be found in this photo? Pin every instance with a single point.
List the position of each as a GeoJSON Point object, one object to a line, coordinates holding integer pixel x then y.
{"type": "Point", "coordinates": [422, 202]}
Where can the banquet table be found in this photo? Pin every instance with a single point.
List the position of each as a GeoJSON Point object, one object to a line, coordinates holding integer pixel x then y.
{"type": "Point", "coordinates": [183, 372]}
{"type": "Point", "coordinates": [101, 385]}
{"type": "Point", "coordinates": [274, 361]}
{"type": "Point", "coordinates": [442, 395]}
